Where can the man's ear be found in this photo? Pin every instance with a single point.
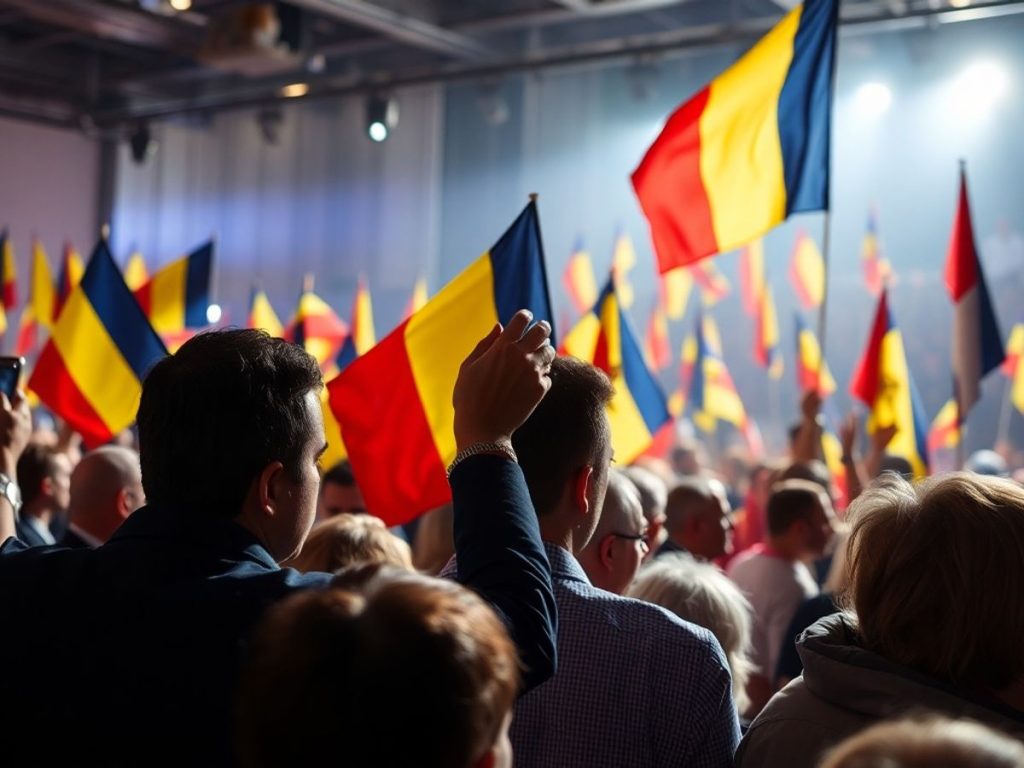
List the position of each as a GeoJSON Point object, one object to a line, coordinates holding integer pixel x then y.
{"type": "Point", "coordinates": [581, 489]}
{"type": "Point", "coordinates": [269, 488]}
{"type": "Point", "coordinates": [122, 504]}
{"type": "Point", "coordinates": [606, 551]}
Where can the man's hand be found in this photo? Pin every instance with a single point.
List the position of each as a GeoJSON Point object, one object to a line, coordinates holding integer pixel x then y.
{"type": "Point", "coordinates": [848, 436]}
{"type": "Point", "coordinates": [502, 381]}
{"type": "Point", "coordinates": [881, 438]}
{"type": "Point", "coordinates": [810, 405]}
{"type": "Point", "coordinates": [15, 431]}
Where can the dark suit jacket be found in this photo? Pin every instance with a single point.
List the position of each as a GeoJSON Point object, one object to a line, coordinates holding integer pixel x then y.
{"type": "Point", "coordinates": [73, 541]}
{"type": "Point", "coordinates": [27, 534]}
{"type": "Point", "coordinates": [152, 625]}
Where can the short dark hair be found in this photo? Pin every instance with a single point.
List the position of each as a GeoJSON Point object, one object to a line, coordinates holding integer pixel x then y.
{"type": "Point", "coordinates": [339, 474]}
{"type": "Point", "coordinates": [567, 430]}
{"type": "Point", "coordinates": [813, 471]}
{"type": "Point", "coordinates": [792, 500]}
{"type": "Point", "coordinates": [213, 415]}
{"type": "Point", "coordinates": [36, 463]}
{"type": "Point", "coordinates": [391, 653]}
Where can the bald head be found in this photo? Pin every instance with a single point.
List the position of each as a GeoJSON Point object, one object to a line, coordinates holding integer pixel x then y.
{"type": "Point", "coordinates": [622, 510]}
{"type": "Point", "coordinates": [698, 518]}
{"type": "Point", "coordinates": [615, 551]}
{"type": "Point", "coordinates": [106, 487]}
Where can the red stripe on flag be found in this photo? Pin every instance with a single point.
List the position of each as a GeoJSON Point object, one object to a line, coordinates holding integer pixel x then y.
{"type": "Point", "coordinates": [10, 293]}
{"type": "Point", "coordinates": [55, 387]}
{"type": "Point", "coordinates": [144, 294]}
{"type": "Point", "coordinates": [867, 380]}
{"type": "Point", "coordinates": [377, 404]}
{"type": "Point", "coordinates": [671, 191]}
{"type": "Point", "coordinates": [961, 260]}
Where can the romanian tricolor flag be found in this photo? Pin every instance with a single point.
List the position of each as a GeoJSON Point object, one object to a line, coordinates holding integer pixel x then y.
{"type": "Point", "coordinates": [714, 286]}
{"type": "Point", "coordinates": [623, 261]}
{"type": "Point", "coordinates": [135, 273]}
{"type": "Point", "coordinates": [749, 149]}
{"type": "Point", "coordinates": [316, 328]}
{"type": "Point", "coordinates": [674, 289]}
{"type": "Point", "coordinates": [578, 279]}
{"type": "Point", "coordinates": [178, 296]}
{"type": "Point", "coordinates": [39, 309]}
{"type": "Point", "coordinates": [807, 271]}
{"type": "Point", "coordinates": [657, 348]}
{"type": "Point", "coordinates": [812, 372]}
{"type": "Point", "coordinates": [605, 337]}
{"type": "Point", "coordinates": [362, 335]}
{"type": "Point", "coordinates": [394, 403]}
{"type": "Point", "coordinates": [945, 429]}
{"type": "Point", "coordinates": [90, 372]}
{"type": "Point", "coordinates": [1013, 365]}
{"type": "Point", "coordinates": [417, 300]}
{"type": "Point", "coordinates": [8, 276]}
{"type": "Point", "coordinates": [752, 276]}
{"type": "Point", "coordinates": [977, 343]}
{"type": "Point", "coordinates": [877, 269]}
{"type": "Point", "coordinates": [766, 336]}
{"type": "Point", "coordinates": [262, 314]}
{"type": "Point", "coordinates": [883, 382]}
{"type": "Point", "coordinates": [71, 270]}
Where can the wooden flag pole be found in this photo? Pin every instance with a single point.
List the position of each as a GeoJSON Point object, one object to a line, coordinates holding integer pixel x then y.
{"type": "Point", "coordinates": [1005, 413]}
{"type": "Point", "coordinates": [826, 248]}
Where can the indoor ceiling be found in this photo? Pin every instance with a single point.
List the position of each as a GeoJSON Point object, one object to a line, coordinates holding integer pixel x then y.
{"type": "Point", "coordinates": [103, 64]}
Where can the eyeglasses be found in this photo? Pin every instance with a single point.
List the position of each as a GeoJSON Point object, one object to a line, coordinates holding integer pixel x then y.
{"type": "Point", "coordinates": [641, 537]}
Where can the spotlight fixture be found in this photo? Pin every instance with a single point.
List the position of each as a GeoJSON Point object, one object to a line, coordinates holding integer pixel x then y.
{"type": "Point", "coordinates": [142, 143]}
{"type": "Point", "coordinates": [181, 5]}
{"type": "Point", "coordinates": [980, 85]}
{"type": "Point", "coordinates": [295, 90]}
{"type": "Point", "coordinates": [381, 116]}
{"type": "Point", "coordinates": [213, 314]}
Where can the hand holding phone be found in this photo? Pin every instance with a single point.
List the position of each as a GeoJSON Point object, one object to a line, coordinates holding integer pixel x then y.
{"type": "Point", "coordinates": [10, 375]}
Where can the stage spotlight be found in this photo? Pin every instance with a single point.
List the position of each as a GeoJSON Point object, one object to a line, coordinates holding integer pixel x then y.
{"type": "Point", "coordinates": [295, 90]}
{"type": "Point", "coordinates": [142, 143]}
{"type": "Point", "coordinates": [381, 116]}
{"type": "Point", "coordinates": [269, 120]}
{"type": "Point", "coordinates": [181, 5]}
{"type": "Point", "coordinates": [873, 98]}
{"type": "Point", "coordinates": [213, 313]}
{"type": "Point", "coordinates": [960, 3]}
{"type": "Point", "coordinates": [980, 86]}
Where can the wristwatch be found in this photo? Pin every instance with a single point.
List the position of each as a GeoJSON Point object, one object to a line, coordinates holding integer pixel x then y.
{"type": "Point", "coordinates": [9, 490]}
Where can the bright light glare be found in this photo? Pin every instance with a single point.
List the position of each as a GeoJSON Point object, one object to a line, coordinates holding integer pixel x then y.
{"type": "Point", "coordinates": [980, 86]}
{"type": "Point", "coordinates": [378, 131]}
{"type": "Point", "coordinates": [294, 90]}
{"type": "Point", "coordinates": [960, 3]}
{"type": "Point", "coordinates": [181, 5]}
{"type": "Point", "coordinates": [213, 313]}
{"type": "Point", "coordinates": [874, 98]}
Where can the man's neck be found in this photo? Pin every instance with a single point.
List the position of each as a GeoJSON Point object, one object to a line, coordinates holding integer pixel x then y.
{"type": "Point", "coordinates": [557, 535]}
{"type": "Point", "coordinates": [41, 512]}
{"type": "Point", "coordinates": [783, 547]}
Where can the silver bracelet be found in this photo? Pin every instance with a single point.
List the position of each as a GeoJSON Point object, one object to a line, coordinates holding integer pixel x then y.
{"type": "Point", "coordinates": [504, 448]}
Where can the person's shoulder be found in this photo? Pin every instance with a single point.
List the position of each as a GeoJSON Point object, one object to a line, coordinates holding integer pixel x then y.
{"type": "Point", "coordinates": [649, 621]}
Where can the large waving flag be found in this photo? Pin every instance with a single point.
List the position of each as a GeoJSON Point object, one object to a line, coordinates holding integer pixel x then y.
{"type": "Point", "coordinates": [262, 314]}
{"type": "Point", "coordinates": [135, 273]}
{"type": "Point", "coordinates": [394, 403]}
{"type": "Point", "coordinates": [578, 279]}
{"type": "Point", "coordinates": [362, 336]}
{"type": "Point", "coordinates": [977, 343]}
{"type": "Point", "coordinates": [766, 338]}
{"type": "Point", "coordinates": [812, 372]}
{"type": "Point", "coordinates": [877, 269]}
{"type": "Point", "coordinates": [883, 383]}
{"type": "Point", "coordinates": [316, 328]}
{"type": "Point", "coordinates": [807, 271]}
{"type": "Point", "coordinates": [749, 149]}
{"type": "Point", "coordinates": [605, 337]}
{"type": "Point", "coordinates": [178, 296]}
{"type": "Point", "coordinates": [71, 271]}
{"type": "Point", "coordinates": [90, 372]}
{"type": "Point", "coordinates": [8, 277]}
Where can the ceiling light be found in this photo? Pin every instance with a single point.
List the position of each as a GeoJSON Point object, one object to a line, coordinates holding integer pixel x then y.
{"type": "Point", "coordinates": [213, 314]}
{"type": "Point", "coordinates": [181, 5]}
{"type": "Point", "coordinates": [979, 86]}
{"type": "Point", "coordinates": [381, 116]}
{"type": "Point", "coordinates": [294, 90]}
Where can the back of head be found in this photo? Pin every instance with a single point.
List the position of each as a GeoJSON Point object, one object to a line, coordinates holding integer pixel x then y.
{"type": "Point", "coordinates": [105, 486]}
{"type": "Point", "coordinates": [810, 471]}
{"type": "Point", "coordinates": [37, 463]}
{"type": "Point", "coordinates": [213, 415]}
{"type": "Point", "coordinates": [931, 568]}
{"type": "Point", "coordinates": [652, 490]}
{"type": "Point", "coordinates": [346, 540]}
{"type": "Point", "coordinates": [567, 431]}
{"type": "Point", "coordinates": [407, 670]}
{"type": "Point", "coordinates": [927, 743]}
{"type": "Point", "coordinates": [987, 462]}
{"type": "Point", "coordinates": [792, 501]}
{"type": "Point", "coordinates": [621, 510]}
{"type": "Point", "coordinates": [692, 496]}
{"type": "Point", "coordinates": [702, 594]}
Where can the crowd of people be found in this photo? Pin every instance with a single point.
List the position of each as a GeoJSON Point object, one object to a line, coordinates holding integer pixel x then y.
{"type": "Point", "coordinates": [218, 598]}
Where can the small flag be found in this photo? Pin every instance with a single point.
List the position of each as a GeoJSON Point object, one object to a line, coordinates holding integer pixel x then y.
{"type": "Point", "coordinates": [316, 328]}
{"type": "Point", "coordinates": [262, 314]}
{"type": "Point", "coordinates": [579, 280]}
{"type": "Point", "coordinates": [749, 149]}
{"type": "Point", "coordinates": [8, 269]}
{"type": "Point", "coordinates": [977, 343]}
{"type": "Point", "coordinates": [362, 335]}
{"type": "Point", "coordinates": [883, 382]}
{"type": "Point", "coordinates": [657, 349]}
{"type": "Point", "coordinates": [623, 261]}
{"type": "Point", "coordinates": [674, 288]}
{"type": "Point", "coordinates": [945, 429]}
{"type": "Point", "coordinates": [90, 372]}
{"type": "Point", "coordinates": [811, 372]}
{"type": "Point", "coordinates": [135, 273]}
{"type": "Point", "coordinates": [605, 337]}
{"type": "Point", "coordinates": [766, 340]}
{"type": "Point", "coordinates": [877, 270]}
{"type": "Point", "coordinates": [712, 283]}
{"type": "Point", "coordinates": [807, 272]}
{"type": "Point", "coordinates": [417, 299]}
{"type": "Point", "coordinates": [178, 295]}
{"type": "Point", "coordinates": [711, 392]}
{"type": "Point", "coordinates": [752, 276]}
{"type": "Point", "coordinates": [71, 270]}
{"type": "Point", "coordinates": [1013, 366]}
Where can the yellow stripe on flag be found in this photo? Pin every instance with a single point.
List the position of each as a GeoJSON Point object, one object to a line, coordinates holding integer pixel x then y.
{"type": "Point", "coordinates": [746, 190]}
{"type": "Point", "coordinates": [332, 432]}
{"type": "Point", "coordinates": [44, 293]}
{"type": "Point", "coordinates": [440, 336]}
{"type": "Point", "coordinates": [103, 376]}
{"type": "Point", "coordinates": [894, 405]}
{"type": "Point", "coordinates": [167, 297]}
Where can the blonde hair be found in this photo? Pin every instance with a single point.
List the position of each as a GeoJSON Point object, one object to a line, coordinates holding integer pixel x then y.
{"type": "Point", "coordinates": [928, 742]}
{"type": "Point", "coordinates": [346, 540]}
{"type": "Point", "coordinates": [702, 594]}
{"type": "Point", "coordinates": [934, 574]}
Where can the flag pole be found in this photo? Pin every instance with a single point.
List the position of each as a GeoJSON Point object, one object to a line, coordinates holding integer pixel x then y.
{"type": "Point", "coordinates": [826, 247]}
{"type": "Point", "coordinates": [1005, 413]}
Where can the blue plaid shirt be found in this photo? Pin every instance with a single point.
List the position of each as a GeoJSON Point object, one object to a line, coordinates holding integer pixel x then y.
{"type": "Point", "coordinates": [635, 686]}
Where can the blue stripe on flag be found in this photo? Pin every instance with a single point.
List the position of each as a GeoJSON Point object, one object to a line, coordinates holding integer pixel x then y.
{"type": "Point", "coordinates": [197, 285]}
{"type": "Point", "coordinates": [517, 263]}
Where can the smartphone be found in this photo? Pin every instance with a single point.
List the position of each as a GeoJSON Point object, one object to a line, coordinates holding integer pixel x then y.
{"type": "Point", "coordinates": [10, 374]}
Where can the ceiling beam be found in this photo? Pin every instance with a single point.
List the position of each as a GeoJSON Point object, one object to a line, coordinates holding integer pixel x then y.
{"type": "Point", "coordinates": [406, 29]}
